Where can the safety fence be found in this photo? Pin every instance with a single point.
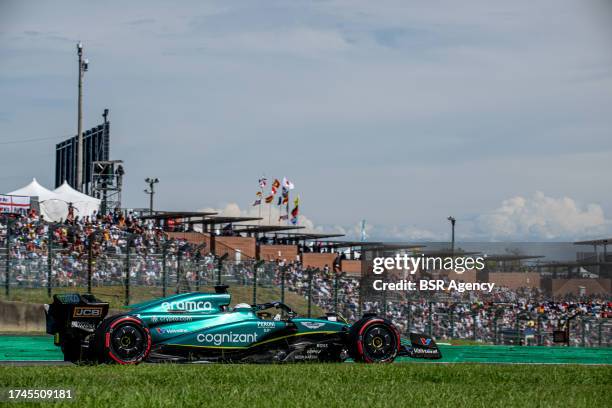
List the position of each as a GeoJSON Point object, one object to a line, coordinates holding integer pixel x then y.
{"type": "Point", "coordinates": [128, 268]}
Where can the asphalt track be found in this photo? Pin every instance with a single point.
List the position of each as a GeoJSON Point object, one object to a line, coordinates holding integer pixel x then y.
{"type": "Point", "coordinates": [39, 350]}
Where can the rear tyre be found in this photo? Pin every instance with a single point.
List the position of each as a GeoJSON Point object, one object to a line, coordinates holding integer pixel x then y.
{"type": "Point", "coordinates": [122, 340]}
{"type": "Point", "coordinates": [374, 340]}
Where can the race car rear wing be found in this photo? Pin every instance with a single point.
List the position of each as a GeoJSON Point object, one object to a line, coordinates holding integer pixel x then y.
{"type": "Point", "coordinates": [71, 312]}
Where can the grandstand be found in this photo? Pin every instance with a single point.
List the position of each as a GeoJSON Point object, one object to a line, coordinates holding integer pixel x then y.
{"type": "Point", "coordinates": [173, 252]}
{"type": "Point", "coordinates": [165, 252]}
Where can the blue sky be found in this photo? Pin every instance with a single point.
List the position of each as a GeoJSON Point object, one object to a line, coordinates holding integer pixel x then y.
{"type": "Point", "coordinates": [397, 112]}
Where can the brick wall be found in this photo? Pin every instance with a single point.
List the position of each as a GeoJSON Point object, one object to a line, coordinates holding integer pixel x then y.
{"type": "Point", "coordinates": [195, 238]}
{"type": "Point", "coordinates": [318, 260]}
{"type": "Point", "coordinates": [562, 287]}
{"type": "Point", "coordinates": [224, 245]}
{"type": "Point", "coordinates": [514, 280]}
{"type": "Point", "coordinates": [271, 252]}
{"type": "Point", "coordinates": [229, 245]}
{"type": "Point", "coordinates": [351, 267]}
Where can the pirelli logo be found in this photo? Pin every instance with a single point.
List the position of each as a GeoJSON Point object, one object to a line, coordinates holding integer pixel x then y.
{"type": "Point", "coordinates": [87, 312]}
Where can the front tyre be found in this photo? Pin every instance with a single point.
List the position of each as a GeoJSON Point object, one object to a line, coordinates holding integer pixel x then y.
{"type": "Point", "coordinates": [374, 340]}
{"type": "Point", "coordinates": [122, 340]}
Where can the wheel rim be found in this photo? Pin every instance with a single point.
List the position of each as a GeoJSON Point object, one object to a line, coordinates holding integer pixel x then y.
{"type": "Point", "coordinates": [379, 343]}
{"type": "Point", "coordinates": [128, 342]}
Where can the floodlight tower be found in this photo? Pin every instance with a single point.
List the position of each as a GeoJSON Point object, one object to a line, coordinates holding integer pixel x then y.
{"type": "Point", "coordinates": [83, 66]}
{"type": "Point", "coordinates": [452, 221]}
{"type": "Point", "coordinates": [151, 181]}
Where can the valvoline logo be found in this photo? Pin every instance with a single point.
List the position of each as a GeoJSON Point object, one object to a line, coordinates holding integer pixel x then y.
{"type": "Point", "coordinates": [161, 330]}
{"type": "Point", "coordinates": [425, 342]}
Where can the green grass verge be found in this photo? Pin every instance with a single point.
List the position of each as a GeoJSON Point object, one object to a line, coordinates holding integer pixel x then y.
{"type": "Point", "coordinates": [464, 342]}
{"type": "Point", "coordinates": [116, 295]}
{"type": "Point", "coordinates": [319, 385]}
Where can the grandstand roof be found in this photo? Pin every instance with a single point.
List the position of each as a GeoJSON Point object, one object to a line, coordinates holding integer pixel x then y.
{"type": "Point", "coordinates": [510, 257]}
{"type": "Point", "coordinates": [259, 229]}
{"type": "Point", "coordinates": [349, 244]}
{"type": "Point", "coordinates": [446, 252]}
{"type": "Point", "coordinates": [605, 241]}
{"type": "Point", "coordinates": [214, 220]}
{"type": "Point", "coordinates": [309, 235]}
{"type": "Point", "coordinates": [392, 246]}
{"type": "Point", "coordinates": [572, 264]}
{"type": "Point", "coordinates": [165, 215]}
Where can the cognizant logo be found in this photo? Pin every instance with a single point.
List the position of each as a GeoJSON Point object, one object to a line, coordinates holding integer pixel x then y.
{"type": "Point", "coordinates": [189, 305]}
{"type": "Point", "coordinates": [219, 338]}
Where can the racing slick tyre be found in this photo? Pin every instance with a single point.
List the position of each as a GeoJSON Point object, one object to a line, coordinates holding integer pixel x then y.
{"type": "Point", "coordinates": [122, 340]}
{"type": "Point", "coordinates": [374, 340]}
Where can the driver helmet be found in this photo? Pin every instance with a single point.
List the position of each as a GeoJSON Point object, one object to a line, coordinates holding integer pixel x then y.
{"type": "Point", "coordinates": [242, 306]}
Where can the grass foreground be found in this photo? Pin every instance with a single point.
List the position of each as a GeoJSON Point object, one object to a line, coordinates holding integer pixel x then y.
{"type": "Point", "coordinates": [322, 385]}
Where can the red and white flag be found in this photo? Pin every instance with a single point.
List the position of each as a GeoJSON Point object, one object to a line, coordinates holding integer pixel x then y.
{"type": "Point", "coordinates": [288, 184]}
{"type": "Point", "coordinates": [275, 186]}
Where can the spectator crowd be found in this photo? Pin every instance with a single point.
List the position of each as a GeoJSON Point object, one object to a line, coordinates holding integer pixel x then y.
{"type": "Point", "coordinates": [105, 240]}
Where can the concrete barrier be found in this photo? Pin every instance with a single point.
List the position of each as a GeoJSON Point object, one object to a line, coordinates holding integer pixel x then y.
{"type": "Point", "coordinates": [27, 317]}
{"type": "Point", "coordinates": [21, 317]}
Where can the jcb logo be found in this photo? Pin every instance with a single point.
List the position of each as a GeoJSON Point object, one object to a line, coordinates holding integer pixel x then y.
{"type": "Point", "coordinates": [87, 312]}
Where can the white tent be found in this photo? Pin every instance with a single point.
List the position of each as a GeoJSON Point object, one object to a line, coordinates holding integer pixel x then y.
{"type": "Point", "coordinates": [83, 204]}
{"type": "Point", "coordinates": [35, 190]}
{"type": "Point", "coordinates": [52, 206]}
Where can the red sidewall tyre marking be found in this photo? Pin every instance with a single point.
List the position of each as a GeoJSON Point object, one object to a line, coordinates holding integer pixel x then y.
{"type": "Point", "coordinates": [107, 342]}
{"type": "Point", "coordinates": [360, 338]}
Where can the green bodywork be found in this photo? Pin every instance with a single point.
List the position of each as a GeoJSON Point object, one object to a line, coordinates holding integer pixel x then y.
{"type": "Point", "coordinates": [204, 320]}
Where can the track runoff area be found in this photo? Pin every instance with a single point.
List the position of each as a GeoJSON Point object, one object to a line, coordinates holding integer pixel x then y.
{"type": "Point", "coordinates": [40, 350]}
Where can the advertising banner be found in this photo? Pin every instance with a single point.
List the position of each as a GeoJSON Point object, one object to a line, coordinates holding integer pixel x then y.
{"type": "Point", "coordinates": [14, 204]}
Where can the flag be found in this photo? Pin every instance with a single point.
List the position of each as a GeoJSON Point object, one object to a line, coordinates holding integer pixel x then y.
{"type": "Point", "coordinates": [275, 186]}
{"type": "Point", "coordinates": [263, 182]}
{"type": "Point", "coordinates": [285, 196]}
{"type": "Point", "coordinates": [269, 199]}
{"type": "Point", "coordinates": [283, 217]}
{"type": "Point", "coordinates": [295, 211]}
{"type": "Point", "coordinates": [258, 200]}
{"type": "Point", "coordinates": [288, 184]}
{"type": "Point", "coordinates": [280, 200]}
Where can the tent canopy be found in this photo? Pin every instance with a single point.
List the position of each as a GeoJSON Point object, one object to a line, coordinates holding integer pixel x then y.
{"type": "Point", "coordinates": [50, 204]}
{"type": "Point", "coordinates": [83, 204]}
{"type": "Point", "coordinates": [34, 189]}
{"type": "Point", "coordinates": [71, 195]}
{"type": "Point", "coordinates": [53, 205]}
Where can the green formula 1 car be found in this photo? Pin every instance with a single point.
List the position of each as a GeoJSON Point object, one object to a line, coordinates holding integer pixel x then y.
{"type": "Point", "coordinates": [201, 327]}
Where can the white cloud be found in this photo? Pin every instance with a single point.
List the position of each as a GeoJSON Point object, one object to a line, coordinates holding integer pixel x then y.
{"type": "Point", "coordinates": [269, 214]}
{"type": "Point", "coordinates": [385, 233]}
{"type": "Point", "coordinates": [542, 217]}
{"type": "Point", "coordinates": [535, 217]}
{"type": "Point", "coordinates": [353, 232]}
{"type": "Point", "coordinates": [407, 233]}
{"type": "Point", "coordinates": [300, 41]}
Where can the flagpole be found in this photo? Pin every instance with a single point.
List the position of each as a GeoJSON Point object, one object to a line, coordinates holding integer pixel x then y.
{"type": "Point", "coordinates": [279, 210]}
{"type": "Point", "coordinates": [260, 198]}
{"type": "Point", "coordinates": [287, 206]}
